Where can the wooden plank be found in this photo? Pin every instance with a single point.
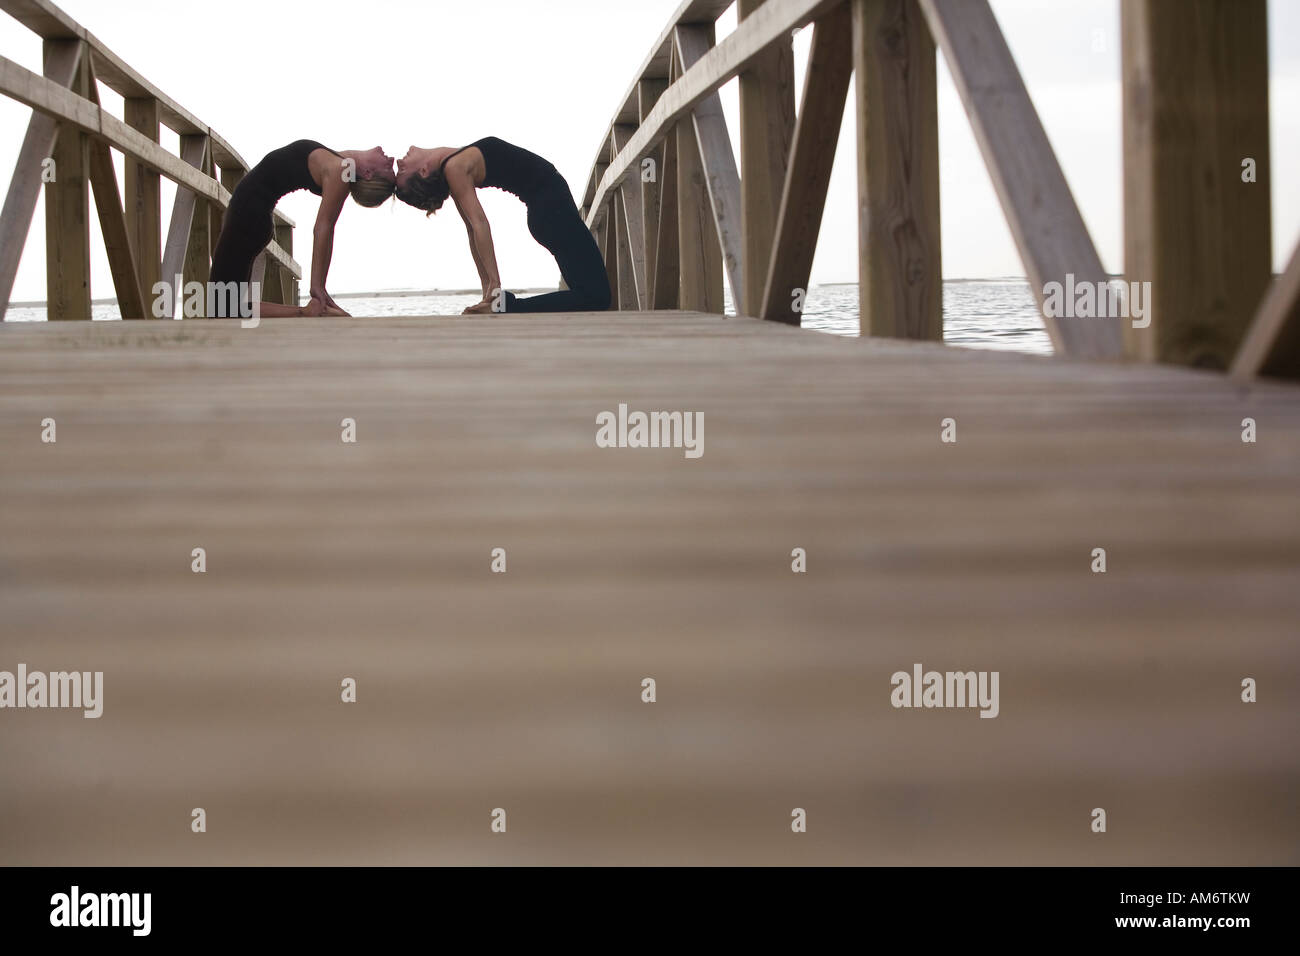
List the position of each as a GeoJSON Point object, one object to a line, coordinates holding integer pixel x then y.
{"type": "Point", "coordinates": [771, 23]}
{"type": "Point", "coordinates": [62, 63]}
{"type": "Point", "coordinates": [700, 270]}
{"type": "Point", "coordinates": [718, 162]}
{"type": "Point", "coordinates": [194, 152]}
{"type": "Point", "coordinates": [767, 121]}
{"type": "Point", "coordinates": [812, 155]}
{"type": "Point", "coordinates": [648, 93]}
{"type": "Point", "coordinates": [773, 687]}
{"type": "Point", "coordinates": [1044, 219]}
{"type": "Point", "coordinates": [67, 210]}
{"type": "Point", "coordinates": [633, 214]}
{"type": "Point", "coordinates": [1272, 343]}
{"type": "Point", "coordinates": [900, 279]}
{"type": "Point", "coordinates": [127, 284]}
{"type": "Point", "coordinates": [41, 94]}
{"type": "Point", "coordinates": [144, 194]}
{"type": "Point", "coordinates": [1195, 105]}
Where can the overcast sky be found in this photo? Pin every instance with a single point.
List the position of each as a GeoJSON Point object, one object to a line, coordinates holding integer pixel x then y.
{"type": "Point", "coordinates": [548, 76]}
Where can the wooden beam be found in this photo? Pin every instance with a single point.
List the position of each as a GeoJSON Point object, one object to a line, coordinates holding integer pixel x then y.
{"type": "Point", "coordinates": [144, 194]}
{"type": "Point", "coordinates": [634, 223]}
{"type": "Point", "coordinates": [1272, 343]}
{"type": "Point", "coordinates": [198, 251]}
{"type": "Point", "coordinates": [288, 281]}
{"type": "Point", "coordinates": [131, 303]}
{"type": "Point", "coordinates": [1044, 219]}
{"type": "Point", "coordinates": [767, 122]}
{"type": "Point", "coordinates": [771, 23]}
{"type": "Point", "coordinates": [1195, 108]}
{"type": "Point", "coordinates": [609, 248]}
{"type": "Point", "coordinates": [623, 244]}
{"type": "Point", "coordinates": [194, 152]}
{"type": "Point", "coordinates": [900, 280]}
{"type": "Point", "coordinates": [67, 210]}
{"type": "Point", "coordinates": [812, 156]}
{"type": "Point", "coordinates": [718, 162]}
{"type": "Point", "coordinates": [62, 63]}
{"type": "Point", "coordinates": [648, 93]}
{"type": "Point", "coordinates": [700, 269]}
{"type": "Point", "coordinates": [668, 266]}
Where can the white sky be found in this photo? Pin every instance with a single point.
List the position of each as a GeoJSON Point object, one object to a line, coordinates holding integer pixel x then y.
{"type": "Point", "coordinates": [548, 75]}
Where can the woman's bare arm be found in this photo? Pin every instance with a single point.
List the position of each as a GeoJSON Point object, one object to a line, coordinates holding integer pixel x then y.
{"type": "Point", "coordinates": [479, 230]}
{"type": "Point", "coordinates": [334, 193]}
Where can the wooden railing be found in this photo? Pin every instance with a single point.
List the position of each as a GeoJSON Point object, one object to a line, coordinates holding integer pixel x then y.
{"type": "Point", "coordinates": [70, 128]}
{"type": "Point", "coordinates": [676, 217]}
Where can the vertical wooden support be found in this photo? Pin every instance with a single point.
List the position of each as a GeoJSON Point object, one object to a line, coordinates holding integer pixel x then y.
{"type": "Point", "coordinates": [144, 196]}
{"type": "Point", "coordinates": [194, 150]}
{"type": "Point", "coordinates": [718, 163]}
{"type": "Point", "coordinates": [767, 121]}
{"type": "Point", "coordinates": [817, 133]}
{"type": "Point", "coordinates": [900, 279]}
{"type": "Point", "coordinates": [630, 205]}
{"type": "Point", "coordinates": [609, 247]}
{"type": "Point", "coordinates": [648, 93]}
{"type": "Point", "coordinates": [112, 222]}
{"type": "Point", "coordinates": [668, 258]}
{"type": "Point", "coordinates": [627, 297]}
{"type": "Point", "coordinates": [63, 60]}
{"type": "Point", "coordinates": [198, 251]}
{"type": "Point", "coordinates": [67, 211]}
{"type": "Point", "coordinates": [288, 281]}
{"type": "Point", "coordinates": [1195, 78]}
{"type": "Point", "coordinates": [697, 237]}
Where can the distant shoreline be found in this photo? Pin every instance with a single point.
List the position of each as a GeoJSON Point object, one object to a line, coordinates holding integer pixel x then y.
{"type": "Point", "coordinates": [420, 293]}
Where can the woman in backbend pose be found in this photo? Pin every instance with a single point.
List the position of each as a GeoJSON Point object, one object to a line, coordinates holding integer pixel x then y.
{"type": "Point", "coordinates": [248, 227]}
{"type": "Point", "coordinates": [426, 177]}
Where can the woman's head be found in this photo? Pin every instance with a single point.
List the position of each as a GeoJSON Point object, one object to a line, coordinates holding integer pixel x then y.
{"type": "Point", "coordinates": [375, 180]}
{"type": "Point", "coordinates": [420, 183]}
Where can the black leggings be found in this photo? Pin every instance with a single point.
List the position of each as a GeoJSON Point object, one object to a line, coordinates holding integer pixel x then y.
{"type": "Point", "coordinates": [555, 222]}
{"type": "Point", "coordinates": [244, 234]}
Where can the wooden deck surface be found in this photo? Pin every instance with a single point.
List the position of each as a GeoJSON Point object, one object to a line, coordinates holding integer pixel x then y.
{"type": "Point", "coordinates": [523, 690]}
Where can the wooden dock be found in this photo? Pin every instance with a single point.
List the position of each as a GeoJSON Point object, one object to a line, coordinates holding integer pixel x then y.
{"type": "Point", "coordinates": [522, 690]}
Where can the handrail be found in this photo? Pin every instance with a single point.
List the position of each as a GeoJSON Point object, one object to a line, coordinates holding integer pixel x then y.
{"type": "Point", "coordinates": [672, 244]}
{"type": "Point", "coordinates": [70, 102]}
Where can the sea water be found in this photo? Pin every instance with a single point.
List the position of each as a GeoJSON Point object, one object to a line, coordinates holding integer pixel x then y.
{"type": "Point", "coordinates": [980, 313]}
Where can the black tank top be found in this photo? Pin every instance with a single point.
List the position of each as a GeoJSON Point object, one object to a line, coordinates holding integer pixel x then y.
{"type": "Point", "coordinates": [280, 172]}
{"type": "Point", "coordinates": [514, 169]}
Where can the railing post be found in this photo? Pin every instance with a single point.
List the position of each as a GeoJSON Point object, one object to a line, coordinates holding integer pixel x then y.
{"type": "Point", "coordinates": [198, 250]}
{"type": "Point", "coordinates": [767, 120]}
{"type": "Point", "coordinates": [899, 274]}
{"type": "Point", "coordinates": [143, 195]}
{"type": "Point", "coordinates": [647, 94]}
{"type": "Point", "coordinates": [697, 236]}
{"type": "Point", "coordinates": [62, 62]}
{"type": "Point", "coordinates": [1196, 226]}
{"type": "Point", "coordinates": [288, 283]}
{"type": "Point", "coordinates": [67, 209]}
